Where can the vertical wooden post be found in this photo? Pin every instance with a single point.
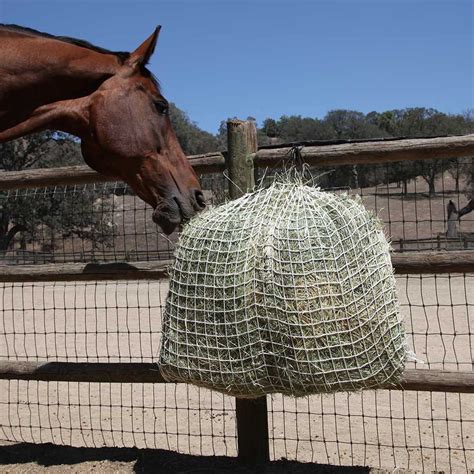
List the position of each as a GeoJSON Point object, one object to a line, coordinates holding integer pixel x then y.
{"type": "Point", "coordinates": [241, 143]}
{"type": "Point", "coordinates": [252, 430]}
{"type": "Point", "coordinates": [252, 415]}
{"type": "Point", "coordinates": [452, 230]}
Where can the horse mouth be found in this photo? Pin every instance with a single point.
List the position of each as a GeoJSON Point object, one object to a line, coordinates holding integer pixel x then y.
{"type": "Point", "coordinates": [167, 226]}
{"type": "Point", "coordinates": [176, 210]}
{"type": "Point", "coordinates": [169, 215]}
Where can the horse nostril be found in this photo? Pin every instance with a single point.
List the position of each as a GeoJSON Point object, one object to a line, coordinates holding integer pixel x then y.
{"type": "Point", "coordinates": [199, 197]}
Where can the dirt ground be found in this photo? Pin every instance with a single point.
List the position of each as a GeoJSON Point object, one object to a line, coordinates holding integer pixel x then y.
{"type": "Point", "coordinates": [111, 321]}
{"type": "Point", "coordinates": [51, 458]}
{"type": "Point", "coordinates": [119, 427]}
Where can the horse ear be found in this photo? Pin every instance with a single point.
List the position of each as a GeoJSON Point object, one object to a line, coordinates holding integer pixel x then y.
{"type": "Point", "coordinates": [142, 54]}
{"type": "Point", "coordinates": [69, 116]}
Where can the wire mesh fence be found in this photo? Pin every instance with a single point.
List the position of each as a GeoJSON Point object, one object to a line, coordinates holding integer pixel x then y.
{"type": "Point", "coordinates": [102, 222]}
{"type": "Point", "coordinates": [414, 209]}
{"type": "Point", "coordinates": [106, 222]}
{"type": "Point", "coordinates": [110, 321]}
{"type": "Point", "coordinates": [420, 431]}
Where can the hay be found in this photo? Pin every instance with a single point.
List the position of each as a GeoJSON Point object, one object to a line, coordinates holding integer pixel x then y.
{"type": "Point", "coordinates": [287, 289]}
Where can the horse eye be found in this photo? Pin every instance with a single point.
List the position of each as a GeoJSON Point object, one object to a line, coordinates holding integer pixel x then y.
{"type": "Point", "coordinates": [162, 107]}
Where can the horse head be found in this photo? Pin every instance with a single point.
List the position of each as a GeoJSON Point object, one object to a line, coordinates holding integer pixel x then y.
{"type": "Point", "coordinates": [131, 136]}
{"type": "Point", "coordinates": [126, 133]}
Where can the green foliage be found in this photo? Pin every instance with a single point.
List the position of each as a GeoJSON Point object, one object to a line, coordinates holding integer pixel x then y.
{"type": "Point", "coordinates": [193, 140]}
{"type": "Point", "coordinates": [51, 215]}
{"type": "Point", "coordinates": [297, 128]}
{"type": "Point", "coordinates": [271, 128]}
{"type": "Point", "coordinates": [350, 124]}
{"type": "Point", "coordinates": [40, 150]}
{"type": "Point", "coordinates": [54, 214]}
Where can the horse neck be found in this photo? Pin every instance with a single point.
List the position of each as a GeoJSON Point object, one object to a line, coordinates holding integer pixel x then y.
{"type": "Point", "coordinates": [35, 71]}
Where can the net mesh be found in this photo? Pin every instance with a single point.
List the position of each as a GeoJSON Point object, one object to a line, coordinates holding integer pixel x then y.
{"type": "Point", "coordinates": [288, 289]}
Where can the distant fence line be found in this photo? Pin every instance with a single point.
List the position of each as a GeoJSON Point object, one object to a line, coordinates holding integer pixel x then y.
{"type": "Point", "coordinates": [441, 242]}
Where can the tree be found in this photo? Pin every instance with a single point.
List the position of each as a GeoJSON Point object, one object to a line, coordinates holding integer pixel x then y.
{"type": "Point", "coordinates": [192, 139]}
{"type": "Point", "coordinates": [270, 128]}
{"type": "Point", "coordinates": [467, 164]}
{"type": "Point", "coordinates": [466, 169]}
{"type": "Point", "coordinates": [456, 168]}
{"type": "Point", "coordinates": [350, 124]}
{"type": "Point", "coordinates": [422, 122]}
{"type": "Point", "coordinates": [56, 213]}
{"type": "Point", "coordinates": [429, 122]}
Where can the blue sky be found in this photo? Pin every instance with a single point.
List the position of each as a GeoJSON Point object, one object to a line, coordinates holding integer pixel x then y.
{"type": "Point", "coordinates": [267, 58]}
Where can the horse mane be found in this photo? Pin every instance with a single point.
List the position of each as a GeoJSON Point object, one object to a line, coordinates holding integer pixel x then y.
{"type": "Point", "coordinates": [121, 55]}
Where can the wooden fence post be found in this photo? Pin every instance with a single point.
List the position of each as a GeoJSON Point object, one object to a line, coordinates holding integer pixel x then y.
{"type": "Point", "coordinates": [452, 229]}
{"type": "Point", "coordinates": [241, 143]}
{"type": "Point", "coordinates": [252, 415]}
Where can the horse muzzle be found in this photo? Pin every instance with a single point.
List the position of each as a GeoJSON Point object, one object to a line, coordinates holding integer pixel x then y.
{"type": "Point", "coordinates": [172, 212]}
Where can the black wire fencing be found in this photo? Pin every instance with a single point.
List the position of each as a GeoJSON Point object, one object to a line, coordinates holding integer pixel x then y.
{"type": "Point", "coordinates": [102, 222]}
{"type": "Point", "coordinates": [120, 321]}
{"type": "Point", "coordinates": [105, 222]}
{"type": "Point", "coordinates": [412, 200]}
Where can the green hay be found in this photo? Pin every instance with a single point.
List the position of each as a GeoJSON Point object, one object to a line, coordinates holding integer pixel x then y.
{"type": "Point", "coordinates": [287, 289]}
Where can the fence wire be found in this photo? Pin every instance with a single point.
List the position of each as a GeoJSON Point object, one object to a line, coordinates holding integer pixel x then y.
{"type": "Point", "coordinates": [106, 222]}
{"type": "Point", "coordinates": [414, 209]}
{"type": "Point", "coordinates": [102, 222]}
{"type": "Point", "coordinates": [107, 321]}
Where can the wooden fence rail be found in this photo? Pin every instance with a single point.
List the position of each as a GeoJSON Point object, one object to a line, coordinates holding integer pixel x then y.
{"type": "Point", "coordinates": [71, 175]}
{"type": "Point", "coordinates": [370, 152]}
{"type": "Point", "coordinates": [85, 271]}
{"type": "Point", "coordinates": [456, 261]}
{"type": "Point", "coordinates": [130, 372]}
{"type": "Point", "coordinates": [374, 152]}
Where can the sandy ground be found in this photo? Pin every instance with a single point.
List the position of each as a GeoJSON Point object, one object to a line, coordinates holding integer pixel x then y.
{"type": "Point", "coordinates": [100, 321]}
{"type": "Point", "coordinates": [52, 458]}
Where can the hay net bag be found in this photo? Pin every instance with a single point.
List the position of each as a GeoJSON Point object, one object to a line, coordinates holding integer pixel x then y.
{"type": "Point", "coordinates": [287, 289]}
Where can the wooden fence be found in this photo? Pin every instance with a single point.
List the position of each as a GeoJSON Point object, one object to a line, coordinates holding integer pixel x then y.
{"type": "Point", "coordinates": [240, 160]}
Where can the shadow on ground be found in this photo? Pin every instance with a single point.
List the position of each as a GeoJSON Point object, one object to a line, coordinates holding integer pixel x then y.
{"type": "Point", "coordinates": [146, 460]}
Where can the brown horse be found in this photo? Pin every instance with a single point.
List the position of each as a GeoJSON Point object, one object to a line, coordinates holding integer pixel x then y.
{"type": "Point", "coordinates": [108, 99]}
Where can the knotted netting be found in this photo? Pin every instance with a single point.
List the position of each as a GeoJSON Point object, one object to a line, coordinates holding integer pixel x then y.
{"type": "Point", "coordinates": [288, 289]}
